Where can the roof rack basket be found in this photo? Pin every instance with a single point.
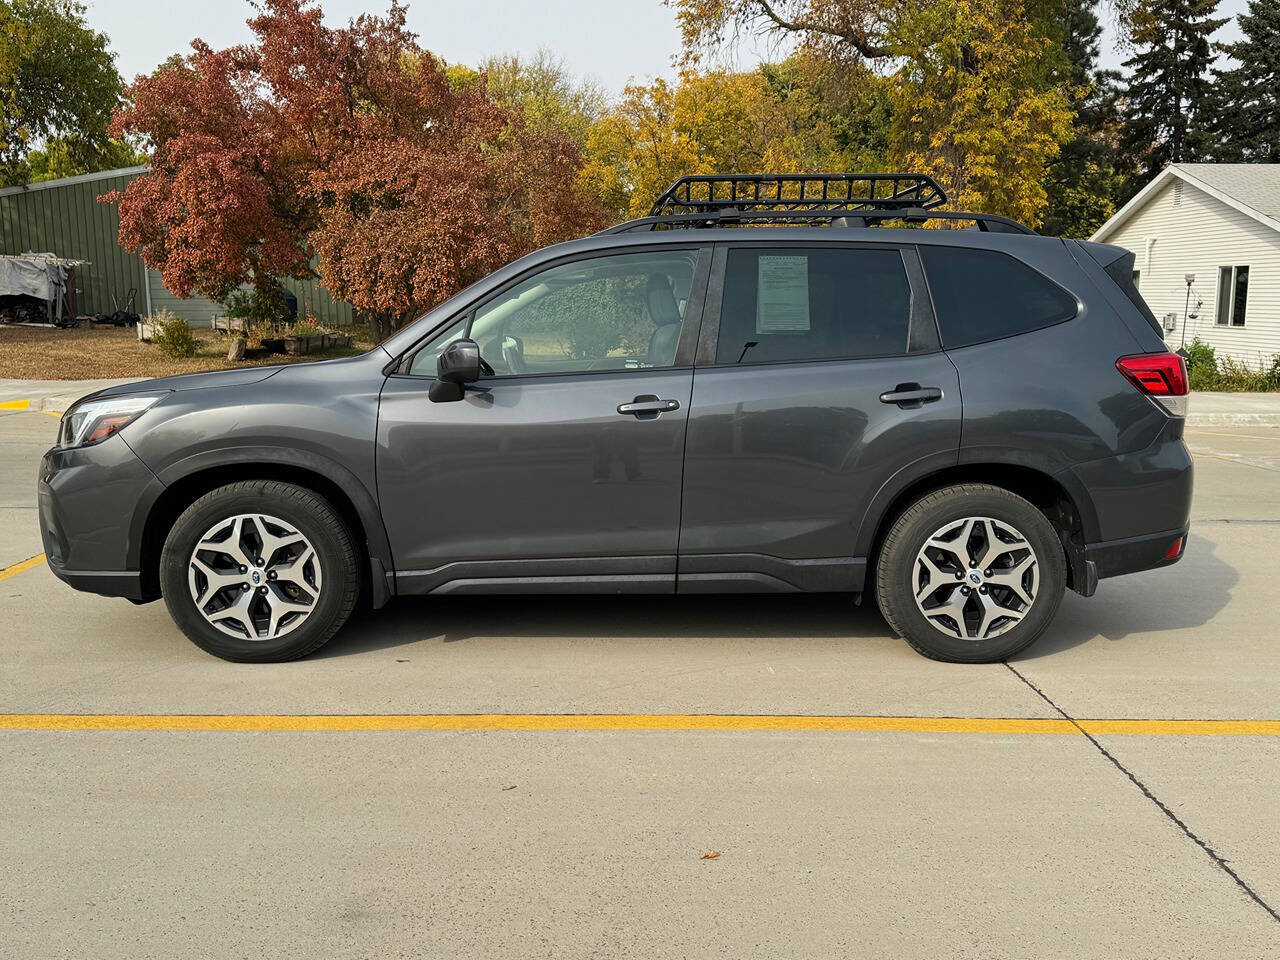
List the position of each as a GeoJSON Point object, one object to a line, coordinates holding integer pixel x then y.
{"type": "Point", "coordinates": [839, 199]}
{"type": "Point", "coordinates": [800, 192]}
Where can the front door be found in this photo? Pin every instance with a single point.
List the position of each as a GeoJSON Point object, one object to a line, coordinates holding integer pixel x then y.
{"type": "Point", "coordinates": [561, 470]}
{"type": "Point", "coordinates": [819, 386]}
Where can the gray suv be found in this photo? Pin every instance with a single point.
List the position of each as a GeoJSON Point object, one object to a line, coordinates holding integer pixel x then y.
{"type": "Point", "coordinates": [771, 384]}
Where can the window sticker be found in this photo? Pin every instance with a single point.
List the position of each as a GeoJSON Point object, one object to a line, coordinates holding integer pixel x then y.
{"type": "Point", "coordinates": [782, 295]}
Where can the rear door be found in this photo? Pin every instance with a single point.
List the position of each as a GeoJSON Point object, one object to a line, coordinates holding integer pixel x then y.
{"type": "Point", "coordinates": [820, 389]}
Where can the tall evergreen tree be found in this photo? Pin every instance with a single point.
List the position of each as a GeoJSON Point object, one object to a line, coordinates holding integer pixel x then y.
{"type": "Point", "coordinates": [1082, 183]}
{"type": "Point", "coordinates": [1247, 95]}
{"type": "Point", "coordinates": [1168, 96]}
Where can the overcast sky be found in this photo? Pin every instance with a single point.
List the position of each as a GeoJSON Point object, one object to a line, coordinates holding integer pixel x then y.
{"type": "Point", "coordinates": [611, 40]}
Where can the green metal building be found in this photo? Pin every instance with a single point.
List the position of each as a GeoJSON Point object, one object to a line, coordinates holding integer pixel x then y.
{"type": "Point", "coordinates": [64, 217]}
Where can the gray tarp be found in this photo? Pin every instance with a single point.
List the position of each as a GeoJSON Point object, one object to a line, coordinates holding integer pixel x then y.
{"type": "Point", "coordinates": [34, 276]}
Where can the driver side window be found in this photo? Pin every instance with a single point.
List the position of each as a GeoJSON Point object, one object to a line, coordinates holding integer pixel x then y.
{"type": "Point", "coordinates": [624, 311]}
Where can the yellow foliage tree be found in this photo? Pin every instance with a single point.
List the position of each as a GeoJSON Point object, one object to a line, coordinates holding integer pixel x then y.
{"type": "Point", "coordinates": [978, 99]}
{"type": "Point", "coordinates": [779, 118]}
{"type": "Point", "coordinates": [975, 104]}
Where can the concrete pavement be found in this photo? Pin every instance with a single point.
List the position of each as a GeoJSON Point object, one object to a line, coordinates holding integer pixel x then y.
{"type": "Point", "coordinates": [398, 844]}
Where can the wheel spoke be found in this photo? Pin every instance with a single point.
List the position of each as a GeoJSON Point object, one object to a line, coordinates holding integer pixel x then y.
{"type": "Point", "coordinates": [1012, 578]}
{"type": "Point", "coordinates": [215, 581]}
{"type": "Point", "coordinates": [238, 612]}
{"type": "Point", "coordinates": [991, 612]}
{"type": "Point", "coordinates": [280, 606]}
{"type": "Point", "coordinates": [273, 543]}
{"type": "Point", "coordinates": [937, 579]}
{"type": "Point", "coordinates": [953, 608]}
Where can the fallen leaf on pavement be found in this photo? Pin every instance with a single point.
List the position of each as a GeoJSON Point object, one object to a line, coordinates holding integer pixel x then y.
{"type": "Point", "coordinates": [512, 787]}
{"type": "Point", "coordinates": [711, 855]}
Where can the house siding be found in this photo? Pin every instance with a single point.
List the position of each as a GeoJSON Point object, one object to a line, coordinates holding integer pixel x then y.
{"type": "Point", "coordinates": [1198, 235]}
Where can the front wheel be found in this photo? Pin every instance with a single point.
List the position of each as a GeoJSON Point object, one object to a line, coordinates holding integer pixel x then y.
{"type": "Point", "coordinates": [970, 574]}
{"type": "Point", "coordinates": [259, 571]}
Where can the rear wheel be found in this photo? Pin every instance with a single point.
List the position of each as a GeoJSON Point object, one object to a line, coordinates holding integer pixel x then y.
{"type": "Point", "coordinates": [970, 574]}
{"type": "Point", "coordinates": [259, 571]}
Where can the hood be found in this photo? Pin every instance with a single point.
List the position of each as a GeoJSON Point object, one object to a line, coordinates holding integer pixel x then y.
{"type": "Point", "coordinates": [191, 381]}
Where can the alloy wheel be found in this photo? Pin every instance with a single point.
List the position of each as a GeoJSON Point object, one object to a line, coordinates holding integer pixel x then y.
{"type": "Point", "coordinates": [975, 578]}
{"type": "Point", "coordinates": [254, 577]}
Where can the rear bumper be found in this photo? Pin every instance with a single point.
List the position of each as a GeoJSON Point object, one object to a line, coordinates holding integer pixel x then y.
{"type": "Point", "coordinates": [1114, 558]}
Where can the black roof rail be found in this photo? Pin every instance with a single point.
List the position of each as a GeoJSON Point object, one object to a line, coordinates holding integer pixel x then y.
{"type": "Point", "coordinates": [845, 199]}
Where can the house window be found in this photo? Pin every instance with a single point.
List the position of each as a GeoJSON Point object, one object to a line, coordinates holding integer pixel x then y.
{"type": "Point", "coordinates": [1233, 295]}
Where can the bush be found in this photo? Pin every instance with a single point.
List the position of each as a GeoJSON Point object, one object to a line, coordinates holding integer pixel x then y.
{"type": "Point", "coordinates": [1207, 372]}
{"type": "Point", "coordinates": [1202, 365]}
{"type": "Point", "coordinates": [173, 335]}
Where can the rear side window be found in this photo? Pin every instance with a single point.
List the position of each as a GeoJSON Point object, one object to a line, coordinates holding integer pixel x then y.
{"type": "Point", "coordinates": [1126, 278]}
{"type": "Point", "coordinates": [790, 303]}
{"type": "Point", "coordinates": [982, 295]}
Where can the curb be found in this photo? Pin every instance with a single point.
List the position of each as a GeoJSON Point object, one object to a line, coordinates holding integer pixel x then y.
{"type": "Point", "coordinates": [54, 406]}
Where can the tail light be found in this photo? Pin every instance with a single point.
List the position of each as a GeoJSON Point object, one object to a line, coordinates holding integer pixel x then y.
{"type": "Point", "coordinates": [1161, 376]}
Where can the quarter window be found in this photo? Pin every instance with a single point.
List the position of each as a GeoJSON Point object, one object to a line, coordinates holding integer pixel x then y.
{"type": "Point", "coordinates": [604, 313]}
{"type": "Point", "coordinates": [982, 295]}
{"type": "Point", "coordinates": [1233, 295]}
{"type": "Point", "coordinates": [789, 303]}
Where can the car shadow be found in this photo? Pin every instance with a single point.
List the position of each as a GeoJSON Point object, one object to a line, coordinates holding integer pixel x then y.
{"type": "Point", "coordinates": [1189, 594]}
{"type": "Point", "coordinates": [458, 619]}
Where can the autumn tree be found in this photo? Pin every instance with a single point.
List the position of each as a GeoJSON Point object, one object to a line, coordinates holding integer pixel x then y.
{"type": "Point", "coordinates": [782, 117]}
{"type": "Point", "coordinates": [345, 153]}
{"type": "Point", "coordinates": [58, 86]}
{"type": "Point", "coordinates": [977, 97]}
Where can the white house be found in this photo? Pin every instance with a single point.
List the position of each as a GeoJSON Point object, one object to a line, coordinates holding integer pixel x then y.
{"type": "Point", "coordinates": [1211, 230]}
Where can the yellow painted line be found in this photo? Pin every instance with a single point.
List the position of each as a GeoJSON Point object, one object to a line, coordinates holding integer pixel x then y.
{"type": "Point", "coordinates": [330, 723]}
{"type": "Point", "coordinates": [52, 413]}
{"type": "Point", "coordinates": [15, 404]}
{"type": "Point", "coordinates": [18, 568]}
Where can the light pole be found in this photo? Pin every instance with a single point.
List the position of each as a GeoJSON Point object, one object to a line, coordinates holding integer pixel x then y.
{"type": "Point", "coordinates": [1186, 308]}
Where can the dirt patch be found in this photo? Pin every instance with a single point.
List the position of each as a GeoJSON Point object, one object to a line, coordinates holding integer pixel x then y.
{"type": "Point", "coordinates": [86, 353]}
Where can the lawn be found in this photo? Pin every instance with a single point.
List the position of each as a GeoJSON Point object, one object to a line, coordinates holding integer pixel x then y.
{"type": "Point", "coordinates": [87, 353]}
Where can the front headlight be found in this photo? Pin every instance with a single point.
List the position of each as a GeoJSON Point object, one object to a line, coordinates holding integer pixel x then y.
{"type": "Point", "coordinates": [93, 421]}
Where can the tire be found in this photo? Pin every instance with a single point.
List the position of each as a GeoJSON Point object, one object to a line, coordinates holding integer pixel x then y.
{"type": "Point", "coordinates": [920, 559]}
{"type": "Point", "coordinates": [298, 597]}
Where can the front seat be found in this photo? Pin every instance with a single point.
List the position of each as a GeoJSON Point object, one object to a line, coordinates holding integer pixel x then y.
{"type": "Point", "coordinates": [665, 314]}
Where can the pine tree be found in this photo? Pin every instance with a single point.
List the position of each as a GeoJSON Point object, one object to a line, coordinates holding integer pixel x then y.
{"type": "Point", "coordinates": [1169, 102]}
{"type": "Point", "coordinates": [1248, 95]}
{"type": "Point", "coordinates": [1083, 181]}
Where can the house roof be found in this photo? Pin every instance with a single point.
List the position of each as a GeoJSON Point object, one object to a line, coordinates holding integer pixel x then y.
{"type": "Point", "coordinates": [1251, 188]}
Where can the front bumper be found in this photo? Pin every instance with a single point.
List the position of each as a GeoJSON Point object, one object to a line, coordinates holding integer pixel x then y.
{"type": "Point", "coordinates": [91, 500]}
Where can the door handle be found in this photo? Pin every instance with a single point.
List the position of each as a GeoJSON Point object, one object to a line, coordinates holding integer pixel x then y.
{"type": "Point", "coordinates": [648, 405]}
{"type": "Point", "coordinates": [910, 395]}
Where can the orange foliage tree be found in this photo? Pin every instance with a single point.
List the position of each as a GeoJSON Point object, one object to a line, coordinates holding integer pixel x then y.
{"type": "Point", "coordinates": [339, 152]}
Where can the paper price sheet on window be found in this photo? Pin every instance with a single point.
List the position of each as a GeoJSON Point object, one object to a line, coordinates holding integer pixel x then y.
{"type": "Point", "coordinates": [782, 295]}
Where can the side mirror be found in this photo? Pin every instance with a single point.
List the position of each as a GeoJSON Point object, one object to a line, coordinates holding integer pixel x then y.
{"type": "Point", "coordinates": [457, 365]}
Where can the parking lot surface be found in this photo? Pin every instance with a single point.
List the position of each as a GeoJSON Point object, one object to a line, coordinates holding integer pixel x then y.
{"type": "Point", "coordinates": [427, 784]}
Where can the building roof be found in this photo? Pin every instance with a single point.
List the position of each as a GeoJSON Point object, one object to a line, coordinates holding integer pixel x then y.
{"type": "Point", "coordinates": [68, 181]}
{"type": "Point", "coordinates": [1251, 188]}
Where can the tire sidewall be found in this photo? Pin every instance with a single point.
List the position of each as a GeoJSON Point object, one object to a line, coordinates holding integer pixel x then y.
{"type": "Point", "coordinates": [920, 522]}
{"type": "Point", "coordinates": [286, 503]}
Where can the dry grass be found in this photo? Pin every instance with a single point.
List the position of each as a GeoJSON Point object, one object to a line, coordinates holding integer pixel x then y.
{"type": "Point", "coordinates": [86, 353]}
